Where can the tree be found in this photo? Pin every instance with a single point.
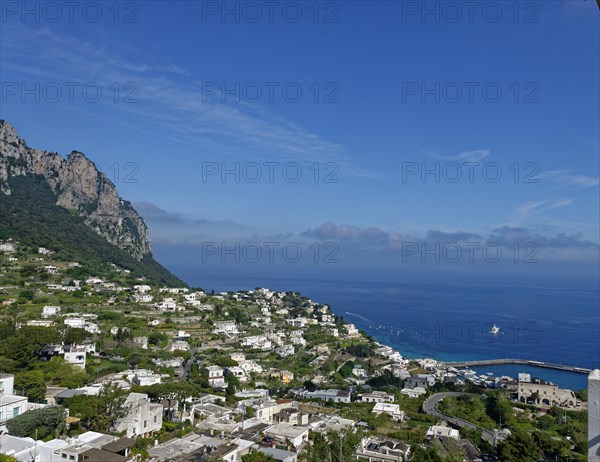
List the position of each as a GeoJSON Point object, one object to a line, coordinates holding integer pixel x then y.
{"type": "Point", "coordinates": [426, 455]}
{"type": "Point", "coordinates": [257, 456]}
{"type": "Point", "coordinates": [22, 347]}
{"type": "Point", "coordinates": [546, 422]}
{"type": "Point", "coordinates": [27, 294]}
{"type": "Point", "coordinates": [75, 336]}
{"type": "Point", "coordinates": [47, 421]}
{"type": "Point", "coordinates": [5, 458]}
{"type": "Point", "coordinates": [499, 408]}
{"type": "Point", "coordinates": [66, 375]}
{"type": "Point", "coordinates": [82, 406]}
{"type": "Point", "coordinates": [178, 391]}
{"type": "Point", "coordinates": [233, 383]}
{"type": "Point", "coordinates": [582, 394]}
{"type": "Point", "coordinates": [346, 369]}
{"type": "Point", "coordinates": [334, 446]}
{"type": "Point", "coordinates": [309, 385]}
{"type": "Point", "coordinates": [103, 411]}
{"type": "Point", "coordinates": [518, 447]}
{"type": "Point", "coordinates": [249, 412]}
{"type": "Point", "coordinates": [31, 384]}
{"type": "Point", "coordinates": [552, 447]}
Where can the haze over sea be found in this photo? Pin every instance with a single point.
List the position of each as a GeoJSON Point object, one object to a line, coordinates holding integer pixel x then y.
{"type": "Point", "coordinates": [449, 318]}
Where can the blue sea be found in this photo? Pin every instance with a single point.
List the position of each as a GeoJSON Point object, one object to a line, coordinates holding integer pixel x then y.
{"type": "Point", "coordinates": [550, 320]}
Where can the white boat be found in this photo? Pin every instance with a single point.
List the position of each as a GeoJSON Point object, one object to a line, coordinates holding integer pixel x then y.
{"type": "Point", "coordinates": [467, 372]}
{"type": "Point", "coordinates": [495, 330]}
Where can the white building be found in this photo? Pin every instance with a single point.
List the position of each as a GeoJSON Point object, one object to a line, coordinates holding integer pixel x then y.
{"type": "Point", "coordinates": [141, 342]}
{"type": "Point", "coordinates": [216, 379]}
{"type": "Point", "coordinates": [48, 311]}
{"type": "Point", "coordinates": [413, 392]}
{"type": "Point", "coordinates": [438, 430]}
{"type": "Point", "coordinates": [86, 446]}
{"type": "Point", "coordinates": [351, 330]}
{"type": "Point", "coordinates": [181, 334]}
{"type": "Point", "coordinates": [10, 405]}
{"type": "Point", "coordinates": [297, 322]}
{"type": "Point", "coordinates": [76, 356]}
{"type": "Point", "coordinates": [40, 322]}
{"type": "Point", "coordinates": [525, 378]}
{"type": "Point", "coordinates": [7, 248]}
{"type": "Point", "coordinates": [143, 298]}
{"type": "Point", "coordinates": [249, 365]}
{"type": "Point", "coordinates": [167, 304]}
{"type": "Point", "coordinates": [93, 281]}
{"type": "Point", "coordinates": [257, 342]}
{"type": "Point", "coordinates": [75, 323]}
{"type": "Point", "coordinates": [238, 372]}
{"type": "Point", "coordinates": [282, 432]}
{"type": "Point", "coordinates": [393, 410]}
{"type": "Point", "coordinates": [358, 371]}
{"type": "Point", "coordinates": [179, 345]}
{"type": "Point", "coordinates": [145, 377]}
{"type": "Point", "coordinates": [226, 327]}
{"type": "Point", "coordinates": [143, 417]}
{"type": "Point", "coordinates": [376, 397]}
{"type": "Point", "coordinates": [337, 396]}
{"type": "Point", "coordinates": [298, 341]}
{"type": "Point", "coordinates": [286, 350]}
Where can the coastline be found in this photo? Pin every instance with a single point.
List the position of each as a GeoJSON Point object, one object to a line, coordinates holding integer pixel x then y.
{"type": "Point", "coordinates": [338, 294]}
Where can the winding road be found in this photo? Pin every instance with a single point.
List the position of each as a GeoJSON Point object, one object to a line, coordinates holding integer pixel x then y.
{"type": "Point", "coordinates": [429, 407]}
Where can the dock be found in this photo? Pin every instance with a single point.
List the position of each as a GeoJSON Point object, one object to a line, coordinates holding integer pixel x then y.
{"type": "Point", "coordinates": [525, 362]}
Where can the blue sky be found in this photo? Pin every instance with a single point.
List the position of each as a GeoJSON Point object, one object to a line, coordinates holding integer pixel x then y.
{"type": "Point", "coordinates": [377, 121]}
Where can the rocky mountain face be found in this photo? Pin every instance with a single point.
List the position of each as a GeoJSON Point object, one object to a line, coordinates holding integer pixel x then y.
{"type": "Point", "coordinates": [78, 186]}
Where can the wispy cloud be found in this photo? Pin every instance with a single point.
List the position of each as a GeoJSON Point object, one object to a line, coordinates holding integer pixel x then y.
{"type": "Point", "coordinates": [564, 178]}
{"type": "Point", "coordinates": [171, 101]}
{"type": "Point", "coordinates": [533, 210]}
{"type": "Point", "coordinates": [476, 155]}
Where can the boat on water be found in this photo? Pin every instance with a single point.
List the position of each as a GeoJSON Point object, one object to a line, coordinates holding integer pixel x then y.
{"type": "Point", "coordinates": [467, 372]}
{"type": "Point", "coordinates": [495, 330]}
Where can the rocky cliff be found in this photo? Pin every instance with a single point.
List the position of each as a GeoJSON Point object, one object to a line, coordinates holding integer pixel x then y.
{"type": "Point", "coordinates": [78, 186]}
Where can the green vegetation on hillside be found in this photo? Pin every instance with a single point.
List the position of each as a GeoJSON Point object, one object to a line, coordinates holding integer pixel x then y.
{"type": "Point", "coordinates": [31, 216]}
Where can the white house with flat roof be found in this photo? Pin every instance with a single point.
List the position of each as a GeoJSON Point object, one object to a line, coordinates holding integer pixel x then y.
{"type": "Point", "coordinates": [76, 355]}
{"type": "Point", "coordinates": [282, 432]}
{"type": "Point", "coordinates": [438, 430]}
{"type": "Point", "coordinates": [393, 410]}
{"type": "Point", "coordinates": [11, 405]}
{"type": "Point", "coordinates": [48, 311]}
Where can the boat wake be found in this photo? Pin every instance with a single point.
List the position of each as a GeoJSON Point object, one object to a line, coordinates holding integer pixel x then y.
{"type": "Point", "coordinates": [359, 316]}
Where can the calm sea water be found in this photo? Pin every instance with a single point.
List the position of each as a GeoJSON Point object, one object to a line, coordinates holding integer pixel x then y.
{"type": "Point", "coordinates": [544, 320]}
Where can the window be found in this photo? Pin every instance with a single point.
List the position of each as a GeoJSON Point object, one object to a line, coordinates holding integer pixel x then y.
{"type": "Point", "coordinates": [15, 411]}
{"type": "Point", "coordinates": [155, 418]}
{"type": "Point", "coordinates": [145, 423]}
{"type": "Point", "coordinates": [71, 457]}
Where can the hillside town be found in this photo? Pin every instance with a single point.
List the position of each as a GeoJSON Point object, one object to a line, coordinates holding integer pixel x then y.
{"type": "Point", "coordinates": [113, 368]}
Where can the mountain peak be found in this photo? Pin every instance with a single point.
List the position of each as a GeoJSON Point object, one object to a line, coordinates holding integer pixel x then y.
{"type": "Point", "coordinates": [8, 133]}
{"type": "Point", "coordinates": [78, 186]}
